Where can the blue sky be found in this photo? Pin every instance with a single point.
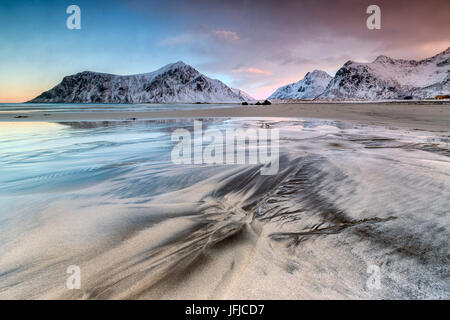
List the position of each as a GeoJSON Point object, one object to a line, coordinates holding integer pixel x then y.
{"type": "Point", "coordinates": [38, 50]}
{"type": "Point", "coordinates": [253, 45]}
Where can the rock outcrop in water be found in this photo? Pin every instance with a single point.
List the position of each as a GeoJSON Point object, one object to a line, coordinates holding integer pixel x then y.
{"type": "Point", "coordinates": [176, 82]}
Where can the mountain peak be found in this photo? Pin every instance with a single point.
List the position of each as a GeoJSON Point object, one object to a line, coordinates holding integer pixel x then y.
{"type": "Point", "coordinates": [179, 63]}
{"type": "Point", "coordinates": [173, 83]}
{"type": "Point", "coordinates": [384, 59]}
{"type": "Point", "coordinates": [173, 66]}
{"type": "Point", "coordinates": [320, 73]}
{"type": "Point", "coordinates": [309, 87]}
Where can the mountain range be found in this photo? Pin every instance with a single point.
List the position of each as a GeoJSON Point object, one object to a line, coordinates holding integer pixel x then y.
{"type": "Point", "coordinates": [175, 82]}
{"type": "Point", "coordinates": [384, 78]}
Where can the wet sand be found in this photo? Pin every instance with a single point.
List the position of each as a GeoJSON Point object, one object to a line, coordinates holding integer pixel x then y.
{"type": "Point", "coordinates": [427, 116]}
{"type": "Point", "coordinates": [104, 196]}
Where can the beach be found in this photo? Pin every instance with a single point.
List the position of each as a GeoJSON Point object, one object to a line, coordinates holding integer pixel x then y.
{"type": "Point", "coordinates": [428, 115]}
{"type": "Point", "coordinates": [225, 150]}
{"type": "Point", "coordinates": [358, 208]}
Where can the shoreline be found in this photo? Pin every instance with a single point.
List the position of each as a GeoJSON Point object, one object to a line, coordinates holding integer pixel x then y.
{"type": "Point", "coordinates": [434, 117]}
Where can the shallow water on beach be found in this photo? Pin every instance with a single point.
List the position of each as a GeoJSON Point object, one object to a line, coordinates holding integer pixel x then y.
{"type": "Point", "coordinates": [106, 197]}
{"type": "Point", "coordinates": [107, 107]}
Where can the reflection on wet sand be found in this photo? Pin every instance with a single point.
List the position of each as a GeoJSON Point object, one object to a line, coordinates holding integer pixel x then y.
{"type": "Point", "coordinates": [106, 197]}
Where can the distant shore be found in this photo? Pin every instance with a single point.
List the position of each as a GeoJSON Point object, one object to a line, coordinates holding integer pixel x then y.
{"type": "Point", "coordinates": [427, 116]}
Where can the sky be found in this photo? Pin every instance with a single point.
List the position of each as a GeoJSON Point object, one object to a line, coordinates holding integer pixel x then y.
{"type": "Point", "coordinates": [256, 46]}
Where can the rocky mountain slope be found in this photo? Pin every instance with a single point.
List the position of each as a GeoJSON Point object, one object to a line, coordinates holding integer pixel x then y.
{"type": "Point", "coordinates": [313, 84]}
{"type": "Point", "coordinates": [384, 78]}
{"type": "Point", "coordinates": [387, 78]}
{"type": "Point", "coordinates": [176, 82]}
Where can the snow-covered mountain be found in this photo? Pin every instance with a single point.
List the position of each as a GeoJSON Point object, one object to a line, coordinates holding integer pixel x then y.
{"type": "Point", "coordinates": [313, 84]}
{"type": "Point", "coordinates": [387, 78]}
{"type": "Point", "coordinates": [176, 82]}
{"type": "Point", "coordinates": [245, 96]}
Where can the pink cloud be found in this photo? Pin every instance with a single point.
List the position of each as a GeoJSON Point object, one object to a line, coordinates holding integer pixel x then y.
{"type": "Point", "coordinates": [226, 34]}
{"type": "Point", "coordinates": [252, 71]}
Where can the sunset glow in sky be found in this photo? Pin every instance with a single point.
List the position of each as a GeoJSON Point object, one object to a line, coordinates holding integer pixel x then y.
{"type": "Point", "coordinates": [255, 46]}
